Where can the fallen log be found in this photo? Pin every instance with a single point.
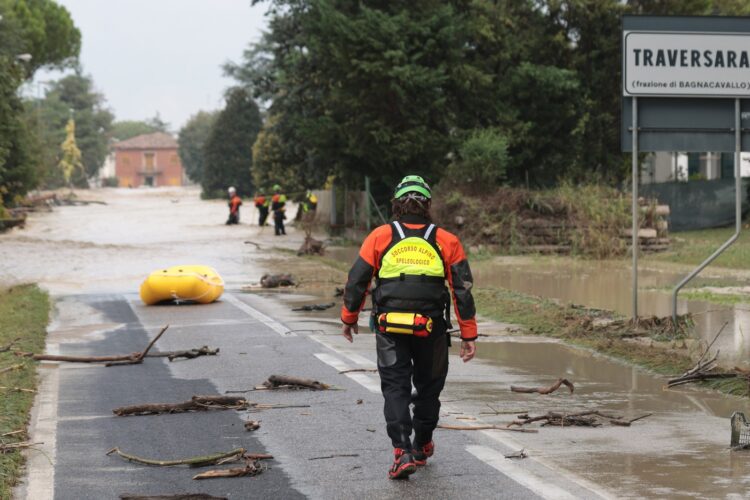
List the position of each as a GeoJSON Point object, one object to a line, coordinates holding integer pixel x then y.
{"type": "Point", "coordinates": [196, 403]}
{"type": "Point", "coordinates": [188, 354]}
{"type": "Point", "coordinates": [284, 381]}
{"type": "Point", "coordinates": [251, 468]}
{"type": "Point", "coordinates": [484, 427]}
{"type": "Point", "coordinates": [311, 246]}
{"type": "Point", "coordinates": [545, 390]}
{"type": "Point", "coordinates": [198, 461]}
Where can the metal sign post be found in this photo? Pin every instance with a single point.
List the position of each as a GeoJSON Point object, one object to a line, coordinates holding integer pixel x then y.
{"type": "Point", "coordinates": [635, 225]}
{"type": "Point", "coordinates": [737, 211]}
{"type": "Point", "coordinates": [687, 80]}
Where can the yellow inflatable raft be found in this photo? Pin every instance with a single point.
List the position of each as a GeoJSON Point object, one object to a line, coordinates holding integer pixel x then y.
{"type": "Point", "coordinates": [182, 283]}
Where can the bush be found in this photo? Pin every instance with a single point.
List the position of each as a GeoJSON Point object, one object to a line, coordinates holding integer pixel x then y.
{"type": "Point", "coordinates": [482, 160]}
{"type": "Point", "coordinates": [111, 182]}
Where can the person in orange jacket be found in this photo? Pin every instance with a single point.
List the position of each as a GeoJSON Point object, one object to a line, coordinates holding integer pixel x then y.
{"type": "Point", "coordinates": [411, 259]}
{"type": "Point", "coordinates": [262, 204]}
{"type": "Point", "coordinates": [234, 206]}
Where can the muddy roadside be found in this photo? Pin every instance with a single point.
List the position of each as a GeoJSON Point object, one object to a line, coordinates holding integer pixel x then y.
{"type": "Point", "coordinates": [655, 343]}
{"type": "Point", "coordinates": [680, 449]}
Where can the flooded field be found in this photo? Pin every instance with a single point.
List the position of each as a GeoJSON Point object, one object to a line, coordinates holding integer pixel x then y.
{"type": "Point", "coordinates": [607, 285]}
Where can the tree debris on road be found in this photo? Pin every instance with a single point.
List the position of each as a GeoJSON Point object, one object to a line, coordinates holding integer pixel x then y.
{"type": "Point", "coordinates": [196, 403]}
{"type": "Point", "coordinates": [197, 461]}
{"type": "Point", "coordinates": [359, 370]}
{"type": "Point", "coordinates": [252, 425]}
{"type": "Point", "coordinates": [315, 307]}
{"type": "Point", "coordinates": [589, 418]}
{"type": "Point", "coordinates": [277, 280]}
{"type": "Point", "coordinates": [6, 447]}
{"type": "Point", "coordinates": [188, 354]}
{"type": "Point", "coordinates": [287, 382]}
{"type": "Point", "coordinates": [311, 246]}
{"type": "Point", "coordinates": [519, 454]}
{"type": "Point", "coordinates": [134, 358]}
{"type": "Point", "coordinates": [483, 428]}
{"type": "Point", "coordinates": [545, 390]}
{"type": "Point", "coordinates": [251, 468]}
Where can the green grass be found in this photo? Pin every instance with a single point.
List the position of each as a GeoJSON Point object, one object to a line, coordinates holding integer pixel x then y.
{"type": "Point", "coordinates": [726, 299]}
{"type": "Point", "coordinates": [692, 247]}
{"type": "Point", "coordinates": [24, 313]}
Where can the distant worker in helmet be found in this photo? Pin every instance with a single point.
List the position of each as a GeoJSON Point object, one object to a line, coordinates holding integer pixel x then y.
{"type": "Point", "coordinates": [262, 204]}
{"type": "Point", "coordinates": [311, 202]}
{"type": "Point", "coordinates": [278, 207]}
{"type": "Point", "coordinates": [234, 206]}
{"type": "Point", "coordinates": [411, 260]}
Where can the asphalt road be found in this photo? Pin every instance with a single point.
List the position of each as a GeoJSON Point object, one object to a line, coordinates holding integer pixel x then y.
{"type": "Point", "coordinates": [253, 346]}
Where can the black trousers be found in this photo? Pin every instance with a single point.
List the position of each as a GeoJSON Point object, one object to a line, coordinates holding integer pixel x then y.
{"type": "Point", "coordinates": [278, 223]}
{"type": "Point", "coordinates": [262, 216]}
{"type": "Point", "coordinates": [403, 359]}
{"type": "Point", "coordinates": [234, 218]}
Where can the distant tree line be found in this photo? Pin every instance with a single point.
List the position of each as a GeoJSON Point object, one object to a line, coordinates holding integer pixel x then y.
{"type": "Point", "coordinates": [485, 91]}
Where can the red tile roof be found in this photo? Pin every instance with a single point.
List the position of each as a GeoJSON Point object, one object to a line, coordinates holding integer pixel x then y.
{"type": "Point", "coordinates": [157, 140]}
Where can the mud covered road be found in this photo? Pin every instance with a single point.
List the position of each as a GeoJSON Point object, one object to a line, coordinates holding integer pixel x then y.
{"type": "Point", "coordinates": [92, 260]}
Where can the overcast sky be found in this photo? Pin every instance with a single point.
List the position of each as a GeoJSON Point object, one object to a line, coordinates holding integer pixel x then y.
{"type": "Point", "coordinates": [162, 55]}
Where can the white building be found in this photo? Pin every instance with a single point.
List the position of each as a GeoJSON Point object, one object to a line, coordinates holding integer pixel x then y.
{"type": "Point", "coordinates": [667, 167]}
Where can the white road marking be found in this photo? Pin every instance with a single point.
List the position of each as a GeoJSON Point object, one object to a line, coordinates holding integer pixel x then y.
{"type": "Point", "coordinates": [266, 320]}
{"type": "Point", "coordinates": [354, 357]}
{"type": "Point", "coordinates": [537, 484]}
{"type": "Point", "coordinates": [492, 457]}
{"type": "Point", "coordinates": [368, 382]}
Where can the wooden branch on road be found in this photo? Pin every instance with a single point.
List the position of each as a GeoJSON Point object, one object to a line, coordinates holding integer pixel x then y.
{"type": "Point", "coordinates": [484, 427]}
{"type": "Point", "coordinates": [197, 461]}
{"type": "Point", "coordinates": [251, 468]}
{"type": "Point", "coordinates": [133, 358]}
{"type": "Point", "coordinates": [178, 496]}
{"type": "Point", "coordinates": [284, 381]}
{"type": "Point", "coordinates": [545, 390]}
{"type": "Point", "coordinates": [196, 403]}
{"type": "Point", "coordinates": [187, 354]}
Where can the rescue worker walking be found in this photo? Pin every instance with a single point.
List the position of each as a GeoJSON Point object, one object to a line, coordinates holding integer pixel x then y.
{"type": "Point", "coordinates": [234, 206]}
{"type": "Point", "coordinates": [278, 207]}
{"type": "Point", "coordinates": [411, 259]}
{"type": "Point", "coordinates": [261, 203]}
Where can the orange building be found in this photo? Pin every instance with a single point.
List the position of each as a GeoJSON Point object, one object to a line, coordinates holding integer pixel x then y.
{"type": "Point", "coordinates": [148, 160]}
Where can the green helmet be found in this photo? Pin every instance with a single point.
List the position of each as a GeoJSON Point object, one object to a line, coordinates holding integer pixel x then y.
{"type": "Point", "coordinates": [412, 184]}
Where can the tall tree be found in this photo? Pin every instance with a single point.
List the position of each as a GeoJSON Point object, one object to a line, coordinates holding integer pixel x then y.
{"type": "Point", "coordinates": [228, 150]}
{"type": "Point", "coordinates": [127, 129]}
{"type": "Point", "coordinates": [70, 164]}
{"type": "Point", "coordinates": [44, 30]}
{"type": "Point", "coordinates": [192, 140]}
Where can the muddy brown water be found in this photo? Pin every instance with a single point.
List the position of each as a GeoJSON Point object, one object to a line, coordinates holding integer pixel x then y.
{"type": "Point", "coordinates": [607, 285]}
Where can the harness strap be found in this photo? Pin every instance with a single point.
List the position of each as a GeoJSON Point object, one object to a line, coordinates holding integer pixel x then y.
{"type": "Point", "coordinates": [399, 229]}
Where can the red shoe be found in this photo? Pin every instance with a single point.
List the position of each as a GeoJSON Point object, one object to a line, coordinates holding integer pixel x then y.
{"type": "Point", "coordinates": [422, 454]}
{"type": "Point", "coordinates": [403, 464]}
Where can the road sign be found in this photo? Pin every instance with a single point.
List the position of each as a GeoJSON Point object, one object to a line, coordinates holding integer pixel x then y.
{"type": "Point", "coordinates": [686, 87]}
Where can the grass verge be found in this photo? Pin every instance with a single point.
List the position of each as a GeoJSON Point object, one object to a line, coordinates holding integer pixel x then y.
{"type": "Point", "coordinates": [24, 313]}
{"type": "Point", "coordinates": [692, 247]}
